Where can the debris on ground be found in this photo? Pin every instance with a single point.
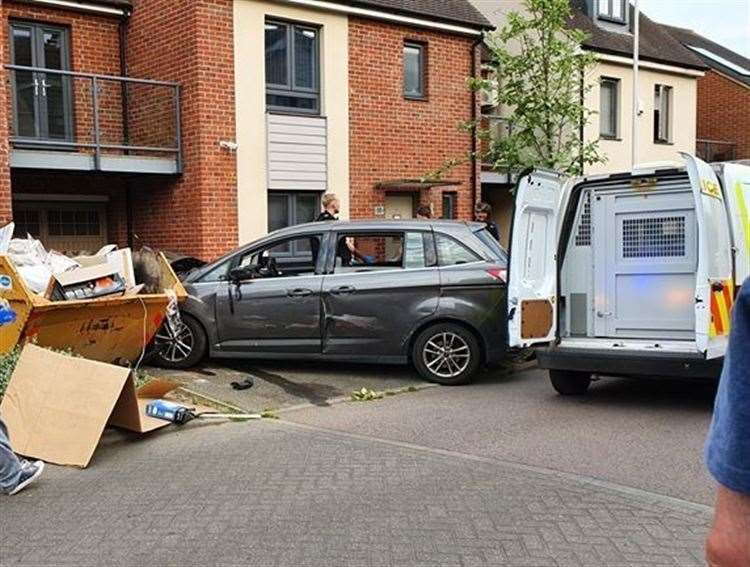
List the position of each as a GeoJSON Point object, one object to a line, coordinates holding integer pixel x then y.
{"type": "Point", "coordinates": [366, 395]}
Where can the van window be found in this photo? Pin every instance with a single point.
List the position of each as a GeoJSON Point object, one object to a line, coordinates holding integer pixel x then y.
{"type": "Point", "coordinates": [451, 252]}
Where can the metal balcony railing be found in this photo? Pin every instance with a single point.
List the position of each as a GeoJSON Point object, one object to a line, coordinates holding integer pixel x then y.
{"type": "Point", "coordinates": [117, 123]}
{"type": "Point", "coordinates": [712, 150]}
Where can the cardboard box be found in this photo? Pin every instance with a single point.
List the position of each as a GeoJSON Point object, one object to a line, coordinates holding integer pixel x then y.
{"type": "Point", "coordinates": [86, 283]}
{"type": "Point", "coordinates": [56, 406]}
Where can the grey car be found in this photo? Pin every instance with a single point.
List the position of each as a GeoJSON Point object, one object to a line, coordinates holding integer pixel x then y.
{"type": "Point", "coordinates": [431, 293]}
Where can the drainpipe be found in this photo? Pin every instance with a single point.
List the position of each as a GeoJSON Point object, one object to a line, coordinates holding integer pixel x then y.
{"type": "Point", "coordinates": [123, 31]}
{"type": "Point", "coordinates": [476, 193]}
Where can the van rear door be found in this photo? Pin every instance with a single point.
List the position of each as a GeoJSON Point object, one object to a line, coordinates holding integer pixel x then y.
{"type": "Point", "coordinates": [736, 183]}
{"type": "Point", "coordinates": [714, 283]}
{"type": "Point", "coordinates": [532, 270]}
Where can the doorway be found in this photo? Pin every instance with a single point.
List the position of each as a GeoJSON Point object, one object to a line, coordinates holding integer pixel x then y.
{"type": "Point", "coordinates": [645, 260]}
{"type": "Point", "coordinates": [399, 206]}
{"type": "Point", "coordinates": [42, 102]}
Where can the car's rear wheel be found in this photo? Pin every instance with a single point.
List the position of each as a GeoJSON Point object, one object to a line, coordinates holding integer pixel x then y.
{"type": "Point", "coordinates": [569, 382]}
{"type": "Point", "coordinates": [446, 353]}
{"type": "Point", "coordinates": [180, 347]}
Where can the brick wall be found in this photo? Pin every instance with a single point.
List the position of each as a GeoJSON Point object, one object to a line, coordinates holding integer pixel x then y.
{"type": "Point", "coordinates": [394, 138]}
{"type": "Point", "coordinates": [723, 112]}
{"type": "Point", "coordinates": [94, 48]}
{"type": "Point", "coordinates": [190, 42]}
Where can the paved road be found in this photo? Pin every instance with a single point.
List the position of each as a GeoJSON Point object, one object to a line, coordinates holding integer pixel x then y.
{"type": "Point", "coordinates": [274, 494]}
{"type": "Point", "coordinates": [647, 435]}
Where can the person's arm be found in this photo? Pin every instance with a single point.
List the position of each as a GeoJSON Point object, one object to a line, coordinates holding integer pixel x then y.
{"type": "Point", "coordinates": [728, 544]}
{"type": "Point", "coordinates": [728, 446]}
{"type": "Point", "coordinates": [353, 249]}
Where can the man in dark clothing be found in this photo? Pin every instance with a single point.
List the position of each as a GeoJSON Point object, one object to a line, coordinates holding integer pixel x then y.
{"type": "Point", "coordinates": [728, 446]}
{"type": "Point", "coordinates": [483, 213]}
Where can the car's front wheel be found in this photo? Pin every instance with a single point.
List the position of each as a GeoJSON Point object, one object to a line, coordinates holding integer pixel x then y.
{"type": "Point", "coordinates": [569, 382]}
{"type": "Point", "coordinates": [446, 353]}
{"type": "Point", "coordinates": [181, 346]}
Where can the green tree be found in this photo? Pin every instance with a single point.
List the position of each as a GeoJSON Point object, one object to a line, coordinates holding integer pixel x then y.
{"type": "Point", "coordinates": [541, 83]}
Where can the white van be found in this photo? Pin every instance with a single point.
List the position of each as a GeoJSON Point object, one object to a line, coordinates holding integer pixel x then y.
{"type": "Point", "coordinates": [630, 274]}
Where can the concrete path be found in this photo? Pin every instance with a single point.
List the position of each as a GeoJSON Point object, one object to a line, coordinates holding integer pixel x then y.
{"type": "Point", "coordinates": [278, 494]}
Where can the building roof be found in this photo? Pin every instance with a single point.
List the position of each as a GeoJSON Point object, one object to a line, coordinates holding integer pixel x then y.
{"type": "Point", "coordinates": [656, 42]}
{"type": "Point", "coordinates": [713, 54]}
{"type": "Point", "coordinates": [448, 11]}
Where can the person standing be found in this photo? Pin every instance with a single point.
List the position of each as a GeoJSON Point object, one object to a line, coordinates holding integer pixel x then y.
{"type": "Point", "coordinates": [728, 446]}
{"type": "Point", "coordinates": [345, 248]}
{"type": "Point", "coordinates": [331, 206]}
{"type": "Point", "coordinates": [483, 213]}
{"type": "Point", "coordinates": [15, 474]}
{"type": "Point", "coordinates": [424, 212]}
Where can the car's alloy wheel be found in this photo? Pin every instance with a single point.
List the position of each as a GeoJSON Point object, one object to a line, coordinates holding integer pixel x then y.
{"type": "Point", "coordinates": [446, 353]}
{"type": "Point", "coordinates": [180, 346]}
{"type": "Point", "coordinates": [175, 342]}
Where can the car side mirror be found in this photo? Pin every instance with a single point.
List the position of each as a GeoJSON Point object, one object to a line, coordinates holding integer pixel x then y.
{"type": "Point", "coordinates": [242, 273]}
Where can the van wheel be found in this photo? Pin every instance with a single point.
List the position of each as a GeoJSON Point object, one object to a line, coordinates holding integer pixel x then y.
{"type": "Point", "coordinates": [447, 354]}
{"type": "Point", "coordinates": [180, 348]}
{"type": "Point", "coordinates": [569, 382]}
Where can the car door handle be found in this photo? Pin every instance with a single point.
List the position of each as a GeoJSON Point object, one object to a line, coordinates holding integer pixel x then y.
{"type": "Point", "coordinates": [342, 290]}
{"type": "Point", "coordinates": [299, 292]}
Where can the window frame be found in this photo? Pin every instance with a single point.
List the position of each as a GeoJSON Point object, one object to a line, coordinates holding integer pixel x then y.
{"type": "Point", "coordinates": [428, 250]}
{"type": "Point", "coordinates": [663, 121]}
{"type": "Point", "coordinates": [290, 88]}
{"type": "Point", "coordinates": [256, 250]}
{"type": "Point", "coordinates": [291, 197]}
{"type": "Point", "coordinates": [452, 198]}
{"type": "Point", "coordinates": [422, 48]}
{"type": "Point", "coordinates": [615, 109]}
{"type": "Point", "coordinates": [610, 10]}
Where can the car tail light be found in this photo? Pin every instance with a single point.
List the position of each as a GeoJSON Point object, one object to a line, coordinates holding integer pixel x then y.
{"type": "Point", "coordinates": [500, 274]}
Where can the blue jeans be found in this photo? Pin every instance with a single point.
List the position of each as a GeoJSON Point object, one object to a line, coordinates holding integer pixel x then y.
{"type": "Point", "coordinates": [10, 466]}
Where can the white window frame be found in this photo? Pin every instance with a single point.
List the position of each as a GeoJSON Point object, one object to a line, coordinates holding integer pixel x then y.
{"type": "Point", "coordinates": [615, 109]}
{"type": "Point", "coordinates": [663, 113]}
{"type": "Point", "coordinates": [606, 10]}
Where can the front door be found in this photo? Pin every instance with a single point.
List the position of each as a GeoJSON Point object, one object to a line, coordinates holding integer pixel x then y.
{"type": "Point", "coordinates": [373, 301]}
{"type": "Point", "coordinates": [278, 312]}
{"type": "Point", "coordinates": [644, 263]}
{"type": "Point", "coordinates": [41, 101]}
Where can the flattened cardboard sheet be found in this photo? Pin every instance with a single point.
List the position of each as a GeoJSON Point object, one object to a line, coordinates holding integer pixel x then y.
{"type": "Point", "coordinates": [56, 406]}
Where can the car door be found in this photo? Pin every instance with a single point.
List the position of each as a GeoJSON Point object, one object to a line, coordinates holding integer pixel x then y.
{"type": "Point", "coordinates": [372, 305]}
{"type": "Point", "coordinates": [276, 313]}
{"type": "Point", "coordinates": [532, 269]}
{"type": "Point", "coordinates": [714, 287]}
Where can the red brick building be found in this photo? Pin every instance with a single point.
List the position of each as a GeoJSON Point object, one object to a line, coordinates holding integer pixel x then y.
{"type": "Point", "coordinates": [174, 123]}
{"type": "Point", "coordinates": [723, 99]}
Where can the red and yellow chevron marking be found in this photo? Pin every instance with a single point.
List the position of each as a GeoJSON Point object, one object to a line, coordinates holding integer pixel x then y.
{"type": "Point", "coordinates": [721, 308]}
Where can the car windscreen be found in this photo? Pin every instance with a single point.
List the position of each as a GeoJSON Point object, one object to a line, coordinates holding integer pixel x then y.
{"type": "Point", "coordinates": [493, 246]}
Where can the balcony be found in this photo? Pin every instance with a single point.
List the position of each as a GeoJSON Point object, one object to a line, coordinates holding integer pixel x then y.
{"type": "Point", "coordinates": [68, 121]}
{"type": "Point", "coordinates": [710, 150]}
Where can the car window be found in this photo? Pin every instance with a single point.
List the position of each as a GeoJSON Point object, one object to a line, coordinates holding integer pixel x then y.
{"type": "Point", "coordinates": [451, 252]}
{"type": "Point", "coordinates": [492, 245]}
{"type": "Point", "coordinates": [219, 273]}
{"type": "Point", "coordinates": [368, 252]}
{"type": "Point", "coordinates": [291, 256]}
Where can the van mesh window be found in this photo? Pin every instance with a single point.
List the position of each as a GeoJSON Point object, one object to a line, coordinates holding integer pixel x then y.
{"type": "Point", "coordinates": [653, 237]}
{"type": "Point", "coordinates": [583, 236]}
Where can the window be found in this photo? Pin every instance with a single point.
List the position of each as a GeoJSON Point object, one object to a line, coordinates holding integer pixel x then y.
{"type": "Point", "coordinates": [278, 253]}
{"type": "Point", "coordinates": [653, 237]}
{"type": "Point", "coordinates": [449, 205]}
{"type": "Point", "coordinates": [27, 222]}
{"type": "Point", "coordinates": [451, 252]}
{"type": "Point", "coordinates": [73, 223]}
{"type": "Point", "coordinates": [609, 107]}
{"type": "Point", "coordinates": [292, 68]}
{"type": "Point", "coordinates": [379, 251]}
{"type": "Point", "coordinates": [414, 70]}
{"type": "Point", "coordinates": [662, 114]}
{"type": "Point", "coordinates": [289, 209]}
{"type": "Point", "coordinates": [612, 10]}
